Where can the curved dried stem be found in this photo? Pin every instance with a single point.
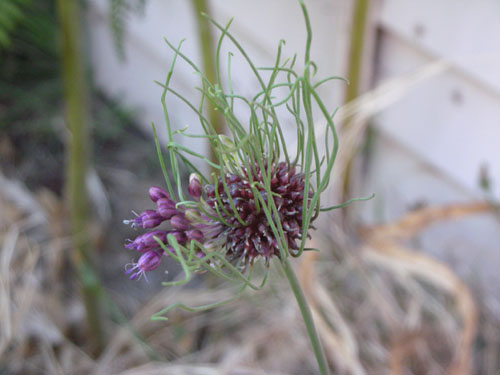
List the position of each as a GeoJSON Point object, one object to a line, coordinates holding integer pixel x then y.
{"type": "Point", "coordinates": [381, 247]}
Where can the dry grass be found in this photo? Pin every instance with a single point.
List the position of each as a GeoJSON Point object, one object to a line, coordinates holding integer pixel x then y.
{"type": "Point", "coordinates": [380, 307]}
{"type": "Point", "coordinates": [409, 312]}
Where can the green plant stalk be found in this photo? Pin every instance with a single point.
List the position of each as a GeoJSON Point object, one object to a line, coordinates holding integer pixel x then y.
{"type": "Point", "coordinates": [306, 316]}
{"type": "Point", "coordinates": [77, 162]}
{"type": "Point", "coordinates": [356, 49]}
{"type": "Point", "coordinates": [208, 60]}
{"type": "Point", "coordinates": [355, 66]}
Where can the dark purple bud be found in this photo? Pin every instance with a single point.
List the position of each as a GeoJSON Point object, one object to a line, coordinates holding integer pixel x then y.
{"type": "Point", "coordinates": [292, 244]}
{"type": "Point", "coordinates": [235, 190]}
{"type": "Point", "coordinates": [180, 237]}
{"type": "Point", "coordinates": [239, 232]}
{"type": "Point", "coordinates": [210, 190]}
{"type": "Point", "coordinates": [266, 250]}
{"type": "Point", "coordinates": [279, 202]}
{"type": "Point", "coordinates": [257, 243]}
{"type": "Point", "coordinates": [150, 260]}
{"type": "Point", "coordinates": [194, 187]}
{"type": "Point", "coordinates": [167, 213]}
{"type": "Point", "coordinates": [242, 205]}
{"type": "Point", "coordinates": [291, 226]}
{"type": "Point", "coordinates": [235, 241]}
{"type": "Point", "coordinates": [263, 194]}
{"type": "Point", "coordinates": [262, 228]}
{"type": "Point", "coordinates": [212, 231]}
{"type": "Point", "coordinates": [165, 202]}
{"type": "Point", "coordinates": [281, 170]}
{"type": "Point", "coordinates": [147, 262]}
{"type": "Point", "coordinates": [282, 189]}
{"type": "Point", "coordinates": [297, 182]}
{"type": "Point", "coordinates": [290, 211]}
{"type": "Point", "coordinates": [233, 178]}
{"type": "Point", "coordinates": [146, 241]}
{"type": "Point", "coordinates": [156, 193]}
{"type": "Point", "coordinates": [284, 179]}
{"type": "Point", "coordinates": [179, 222]}
{"type": "Point", "coordinates": [166, 208]}
{"type": "Point", "coordinates": [147, 219]}
{"type": "Point", "coordinates": [297, 195]}
{"type": "Point", "coordinates": [194, 234]}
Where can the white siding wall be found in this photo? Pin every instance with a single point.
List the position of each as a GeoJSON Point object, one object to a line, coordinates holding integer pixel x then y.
{"type": "Point", "coordinates": [432, 143]}
{"type": "Point", "coordinates": [258, 25]}
{"type": "Point", "coordinates": [453, 120]}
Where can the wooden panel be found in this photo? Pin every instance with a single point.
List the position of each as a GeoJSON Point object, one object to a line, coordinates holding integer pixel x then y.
{"type": "Point", "coordinates": [463, 31]}
{"type": "Point", "coordinates": [403, 181]}
{"type": "Point", "coordinates": [450, 121]}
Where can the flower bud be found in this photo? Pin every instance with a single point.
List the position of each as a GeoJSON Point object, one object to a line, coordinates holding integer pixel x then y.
{"type": "Point", "coordinates": [146, 241]}
{"type": "Point", "coordinates": [147, 262]}
{"type": "Point", "coordinates": [156, 192]}
{"type": "Point", "coordinates": [179, 222]}
{"type": "Point", "coordinates": [150, 260]}
{"type": "Point", "coordinates": [166, 208]}
{"type": "Point", "coordinates": [194, 187]}
{"type": "Point", "coordinates": [147, 219]}
{"type": "Point", "coordinates": [194, 234]}
{"type": "Point", "coordinates": [291, 226]}
{"type": "Point", "coordinates": [180, 237]}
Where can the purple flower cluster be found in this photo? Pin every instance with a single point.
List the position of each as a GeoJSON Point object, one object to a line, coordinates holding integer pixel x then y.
{"type": "Point", "coordinates": [232, 219]}
{"type": "Point", "coordinates": [180, 227]}
{"type": "Point", "coordinates": [253, 239]}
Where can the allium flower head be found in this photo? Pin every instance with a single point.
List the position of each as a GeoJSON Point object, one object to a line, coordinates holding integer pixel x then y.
{"type": "Point", "coordinates": [242, 232]}
{"type": "Point", "coordinates": [247, 234]}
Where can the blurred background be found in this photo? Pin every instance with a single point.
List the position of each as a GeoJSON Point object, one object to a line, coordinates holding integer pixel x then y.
{"type": "Point", "coordinates": [406, 283]}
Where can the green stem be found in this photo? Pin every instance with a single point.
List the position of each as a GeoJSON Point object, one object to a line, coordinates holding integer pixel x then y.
{"type": "Point", "coordinates": [306, 315]}
{"type": "Point", "coordinates": [75, 96]}
{"type": "Point", "coordinates": [206, 49]}
{"type": "Point", "coordinates": [356, 49]}
{"type": "Point", "coordinates": [359, 20]}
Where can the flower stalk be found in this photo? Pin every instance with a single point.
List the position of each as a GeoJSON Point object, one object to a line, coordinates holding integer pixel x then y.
{"type": "Point", "coordinates": [306, 316]}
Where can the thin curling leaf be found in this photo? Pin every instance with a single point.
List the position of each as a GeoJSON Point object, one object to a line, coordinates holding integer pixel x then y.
{"type": "Point", "coordinates": [175, 247]}
{"type": "Point", "coordinates": [332, 78]}
{"type": "Point", "coordinates": [162, 160]}
{"type": "Point", "coordinates": [348, 203]}
{"type": "Point", "coordinates": [160, 314]}
{"type": "Point", "coordinates": [227, 150]}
